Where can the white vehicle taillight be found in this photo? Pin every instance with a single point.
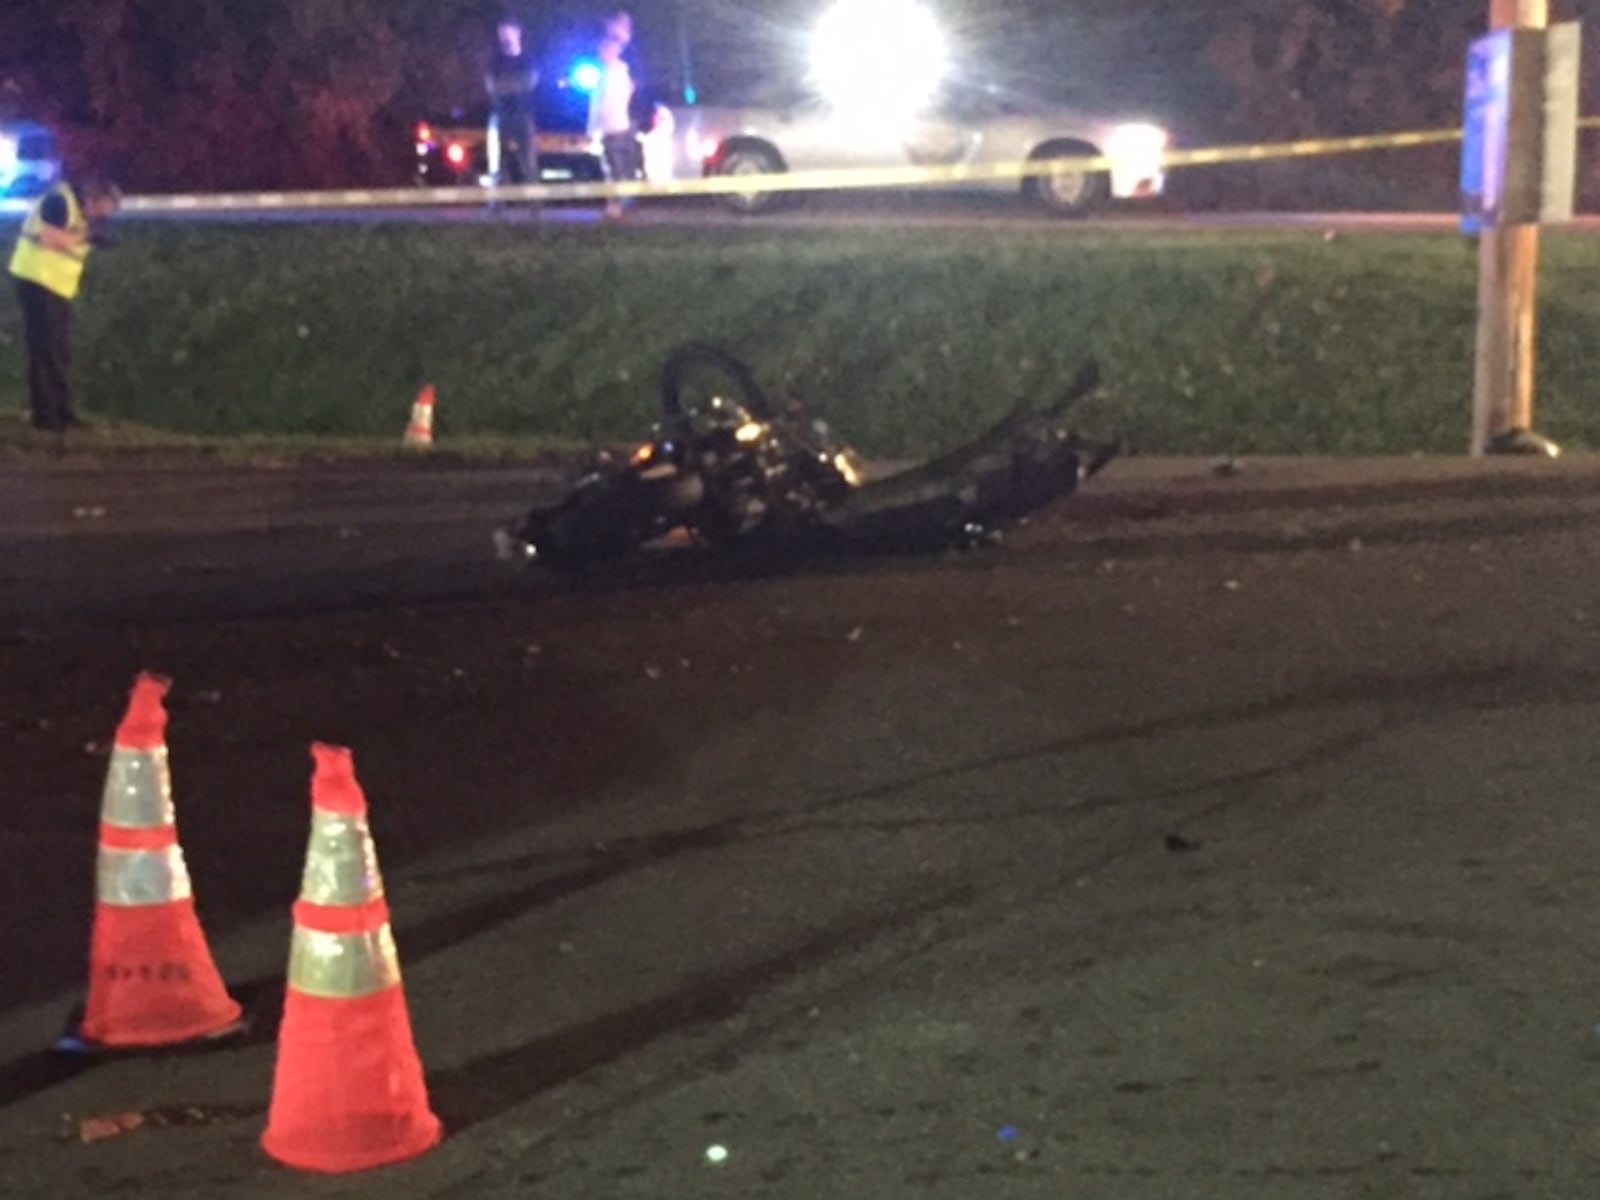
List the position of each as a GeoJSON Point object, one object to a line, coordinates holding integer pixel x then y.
{"type": "Point", "coordinates": [701, 147]}
{"type": "Point", "coordinates": [1136, 153]}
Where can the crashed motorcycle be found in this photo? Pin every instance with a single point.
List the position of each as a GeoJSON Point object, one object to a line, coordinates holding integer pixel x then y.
{"type": "Point", "coordinates": [728, 468]}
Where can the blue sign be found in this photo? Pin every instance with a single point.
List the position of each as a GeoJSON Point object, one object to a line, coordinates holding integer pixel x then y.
{"type": "Point", "coordinates": [1486, 132]}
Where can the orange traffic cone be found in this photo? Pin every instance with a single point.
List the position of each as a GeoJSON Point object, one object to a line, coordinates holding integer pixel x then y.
{"type": "Point", "coordinates": [420, 431]}
{"type": "Point", "coordinates": [151, 978]}
{"type": "Point", "coordinates": [348, 1092]}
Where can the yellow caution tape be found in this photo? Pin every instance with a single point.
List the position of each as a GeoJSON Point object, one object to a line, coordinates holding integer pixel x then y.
{"type": "Point", "coordinates": [841, 179]}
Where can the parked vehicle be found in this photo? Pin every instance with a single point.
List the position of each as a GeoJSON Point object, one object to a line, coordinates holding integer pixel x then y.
{"type": "Point", "coordinates": [30, 161]}
{"type": "Point", "coordinates": [960, 126]}
{"type": "Point", "coordinates": [454, 149]}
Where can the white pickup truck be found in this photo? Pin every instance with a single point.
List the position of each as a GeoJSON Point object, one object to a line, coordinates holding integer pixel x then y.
{"type": "Point", "coordinates": [960, 126]}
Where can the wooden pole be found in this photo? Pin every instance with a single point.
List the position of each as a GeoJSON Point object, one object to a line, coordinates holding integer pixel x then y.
{"type": "Point", "coordinates": [1508, 275]}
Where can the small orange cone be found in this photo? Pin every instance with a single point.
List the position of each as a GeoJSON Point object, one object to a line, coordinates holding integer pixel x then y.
{"type": "Point", "coordinates": [420, 431]}
{"type": "Point", "coordinates": [151, 978]}
{"type": "Point", "coordinates": [348, 1092]}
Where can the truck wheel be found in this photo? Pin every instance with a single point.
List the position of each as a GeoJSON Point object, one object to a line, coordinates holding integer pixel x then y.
{"type": "Point", "coordinates": [1069, 190]}
{"type": "Point", "coordinates": [750, 160]}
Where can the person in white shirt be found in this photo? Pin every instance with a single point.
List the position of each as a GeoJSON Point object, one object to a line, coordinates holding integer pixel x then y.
{"type": "Point", "coordinates": [611, 119]}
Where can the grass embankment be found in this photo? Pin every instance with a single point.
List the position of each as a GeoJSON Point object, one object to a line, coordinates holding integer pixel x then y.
{"type": "Point", "coordinates": [906, 339]}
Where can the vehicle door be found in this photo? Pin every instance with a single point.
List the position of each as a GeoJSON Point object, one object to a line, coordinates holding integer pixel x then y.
{"type": "Point", "coordinates": [812, 134]}
{"type": "Point", "coordinates": [948, 132]}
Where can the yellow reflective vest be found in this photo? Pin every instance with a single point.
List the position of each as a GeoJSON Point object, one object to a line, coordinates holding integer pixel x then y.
{"type": "Point", "coordinates": [60, 271]}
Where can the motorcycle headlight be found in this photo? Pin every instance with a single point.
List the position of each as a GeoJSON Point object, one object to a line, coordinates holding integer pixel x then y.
{"type": "Point", "coordinates": [508, 547]}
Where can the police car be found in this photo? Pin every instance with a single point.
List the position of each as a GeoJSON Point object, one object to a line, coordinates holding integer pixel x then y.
{"type": "Point", "coordinates": [455, 149]}
{"type": "Point", "coordinates": [29, 159]}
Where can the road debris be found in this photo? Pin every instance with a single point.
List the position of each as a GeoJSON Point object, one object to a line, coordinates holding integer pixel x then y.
{"type": "Point", "coordinates": [98, 1129]}
{"type": "Point", "coordinates": [89, 1130]}
{"type": "Point", "coordinates": [1226, 467]}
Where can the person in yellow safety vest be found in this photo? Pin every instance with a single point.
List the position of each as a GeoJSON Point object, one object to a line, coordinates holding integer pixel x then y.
{"type": "Point", "coordinates": [48, 268]}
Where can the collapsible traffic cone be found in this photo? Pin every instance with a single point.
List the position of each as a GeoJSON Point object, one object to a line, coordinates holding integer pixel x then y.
{"type": "Point", "coordinates": [420, 431]}
{"type": "Point", "coordinates": [151, 978]}
{"type": "Point", "coordinates": [348, 1092]}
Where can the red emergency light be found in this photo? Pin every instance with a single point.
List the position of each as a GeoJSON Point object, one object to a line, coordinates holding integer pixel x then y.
{"type": "Point", "coordinates": [457, 154]}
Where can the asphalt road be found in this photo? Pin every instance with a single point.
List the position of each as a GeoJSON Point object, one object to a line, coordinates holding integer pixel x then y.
{"type": "Point", "coordinates": [1215, 837]}
{"type": "Point", "coordinates": [128, 548]}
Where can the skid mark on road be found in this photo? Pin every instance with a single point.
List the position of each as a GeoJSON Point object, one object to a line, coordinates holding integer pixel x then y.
{"type": "Point", "coordinates": [1436, 694]}
{"type": "Point", "coordinates": [496, 1083]}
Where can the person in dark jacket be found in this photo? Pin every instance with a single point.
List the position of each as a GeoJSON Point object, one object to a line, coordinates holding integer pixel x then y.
{"type": "Point", "coordinates": [511, 81]}
{"type": "Point", "coordinates": [47, 267]}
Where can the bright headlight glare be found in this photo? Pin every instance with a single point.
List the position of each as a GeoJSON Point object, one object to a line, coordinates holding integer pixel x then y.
{"type": "Point", "coordinates": [880, 58]}
{"type": "Point", "coordinates": [8, 152]}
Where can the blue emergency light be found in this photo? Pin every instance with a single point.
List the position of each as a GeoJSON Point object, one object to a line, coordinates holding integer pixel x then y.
{"type": "Point", "coordinates": [585, 75]}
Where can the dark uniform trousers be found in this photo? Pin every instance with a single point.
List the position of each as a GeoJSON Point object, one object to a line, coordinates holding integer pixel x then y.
{"type": "Point", "coordinates": [47, 326]}
{"type": "Point", "coordinates": [519, 148]}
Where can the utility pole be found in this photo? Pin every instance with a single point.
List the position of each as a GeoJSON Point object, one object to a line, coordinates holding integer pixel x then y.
{"type": "Point", "coordinates": [1508, 277]}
